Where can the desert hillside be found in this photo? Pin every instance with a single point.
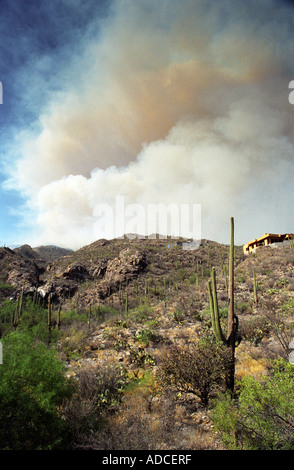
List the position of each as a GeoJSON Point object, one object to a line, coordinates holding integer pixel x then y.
{"type": "Point", "coordinates": [129, 303]}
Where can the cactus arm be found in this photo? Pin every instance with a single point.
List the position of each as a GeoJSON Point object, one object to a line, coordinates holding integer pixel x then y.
{"type": "Point", "coordinates": [215, 310]}
{"type": "Point", "coordinates": [211, 307]}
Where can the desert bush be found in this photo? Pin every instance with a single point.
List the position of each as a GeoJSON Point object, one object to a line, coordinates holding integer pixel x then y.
{"type": "Point", "coordinates": [243, 307]}
{"type": "Point", "coordinates": [140, 357]}
{"type": "Point", "coordinates": [99, 393]}
{"type": "Point", "coordinates": [147, 335]}
{"type": "Point", "coordinates": [106, 312]}
{"type": "Point", "coordinates": [72, 317]}
{"type": "Point", "coordinates": [178, 315]}
{"type": "Point", "coordinates": [262, 416]}
{"type": "Point", "coordinates": [73, 340]}
{"type": "Point", "coordinates": [33, 387]}
{"type": "Point", "coordinates": [136, 428]}
{"type": "Point", "coordinates": [200, 369]}
{"type": "Point", "coordinates": [241, 277]}
{"type": "Point", "coordinates": [287, 307]}
{"type": "Point", "coordinates": [193, 279]}
{"type": "Point", "coordinates": [255, 329]}
{"type": "Point", "coordinates": [282, 282]}
{"type": "Point", "coordinates": [141, 313]}
{"type": "Point", "coordinates": [138, 425]}
{"type": "Point", "coordinates": [283, 331]}
{"type": "Point", "coordinates": [182, 274]}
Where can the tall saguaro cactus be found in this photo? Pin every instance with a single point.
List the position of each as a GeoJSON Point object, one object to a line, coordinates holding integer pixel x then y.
{"type": "Point", "coordinates": [231, 340]}
{"type": "Point", "coordinates": [232, 319]}
{"type": "Point", "coordinates": [18, 309]}
{"type": "Point", "coordinates": [49, 318]}
{"type": "Point", "coordinates": [231, 286]}
{"type": "Point", "coordinates": [255, 288]}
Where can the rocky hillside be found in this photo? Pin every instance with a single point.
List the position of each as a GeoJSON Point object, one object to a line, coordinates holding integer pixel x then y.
{"type": "Point", "coordinates": [23, 267]}
{"type": "Point", "coordinates": [133, 299]}
{"type": "Point", "coordinates": [16, 271]}
{"type": "Point", "coordinates": [100, 271]}
{"type": "Point", "coordinates": [125, 274]}
{"type": "Point", "coordinates": [107, 271]}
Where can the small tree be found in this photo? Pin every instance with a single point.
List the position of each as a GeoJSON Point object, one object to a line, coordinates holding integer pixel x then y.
{"type": "Point", "coordinates": [100, 391]}
{"type": "Point", "coordinates": [200, 369]}
{"type": "Point", "coordinates": [32, 388]}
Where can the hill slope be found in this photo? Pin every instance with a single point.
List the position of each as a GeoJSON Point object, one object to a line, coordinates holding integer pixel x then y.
{"type": "Point", "coordinates": [127, 302]}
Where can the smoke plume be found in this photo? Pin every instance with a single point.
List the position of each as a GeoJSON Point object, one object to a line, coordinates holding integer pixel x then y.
{"type": "Point", "coordinates": [177, 101]}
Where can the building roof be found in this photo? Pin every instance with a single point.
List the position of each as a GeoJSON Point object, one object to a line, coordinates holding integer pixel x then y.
{"type": "Point", "coordinates": [270, 237]}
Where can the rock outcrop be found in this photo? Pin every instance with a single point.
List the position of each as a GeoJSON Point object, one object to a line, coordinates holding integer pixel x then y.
{"type": "Point", "coordinates": [101, 276]}
{"type": "Point", "coordinates": [18, 271]}
{"type": "Point", "coordinates": [126, 266]}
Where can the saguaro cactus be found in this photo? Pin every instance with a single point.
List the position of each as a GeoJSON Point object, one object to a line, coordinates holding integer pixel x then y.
{"type": "Point", "coordinates": [15, 315]}
{"type": "Point", "coordinates": [232, 319]}
{"type": "Point", "coordinates": [255, 288]}
{"type": "Point", "coordinates": [231, 316]}
{"type": "Point", "coordinates": [89, 315]}
{"type": "Point", "coordinates": [18, 309]}
{"type": "Point", "coordinates": [231, 340]}
{"type": "Point", "coordinates": [78, 303]}
{"type": "Point", "coordinates": [20, 302]}
{"type": "Point", "coordinates": [146, 288]}
{"type": "Point", "coordinates": [127, 303]}
{"type": "Point", "coordinates": [49, 322]}
{"type": "Point", "coordinates": [58, 316]}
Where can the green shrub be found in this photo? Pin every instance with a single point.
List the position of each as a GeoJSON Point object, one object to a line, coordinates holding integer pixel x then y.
{"type": "Point", "coordinates": [243, 307]}
{"type": "Point", "coordinates": [146, 336]}
{"type": "Point", "coordinates": [32, 314]}
{"type": "Point", "coordinates": [32, 317]}
{"type": "Point", "coordinates": [141, 313]}
{"type": "Point", "coordinates": [33, 387]}
{"type": "Point", "coordinates": [70, 317]}
{"type": "Point", "coordinates": [99, 393]}
{"type": "Point", "coordinates": [4, 286]}
{"type": "Point", "coordinates": [182, 274]}
{"type": "Point", "coordinates": [73, 343]}
{"type": "Point", "coordinates": [288, 307]}
{"type": "Point", "coordinates": [7, 309]}
{"type": "Point", "coordinates": [193, 279]}
{"type": "Point", "coordinates": [178, 315]}
{"type": "Point", "coordinates": [282, 282]}
{"type": "Point", "coordinates": [255, 329]}
{"type": "Point", "coordinates": [262, 417]}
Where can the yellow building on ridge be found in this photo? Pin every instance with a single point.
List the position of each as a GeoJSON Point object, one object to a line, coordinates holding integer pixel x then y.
{"type": "Point", "coordinates": [266, 239]}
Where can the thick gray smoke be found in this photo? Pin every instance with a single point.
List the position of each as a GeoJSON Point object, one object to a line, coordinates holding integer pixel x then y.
{"type": "Point", "coordinates": [176, 102]}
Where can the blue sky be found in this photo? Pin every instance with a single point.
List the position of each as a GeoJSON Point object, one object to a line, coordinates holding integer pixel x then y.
{"type": "Point", "coordinates": [35, 38]}
{"type": "Point", "coordinates": [171, 101]}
